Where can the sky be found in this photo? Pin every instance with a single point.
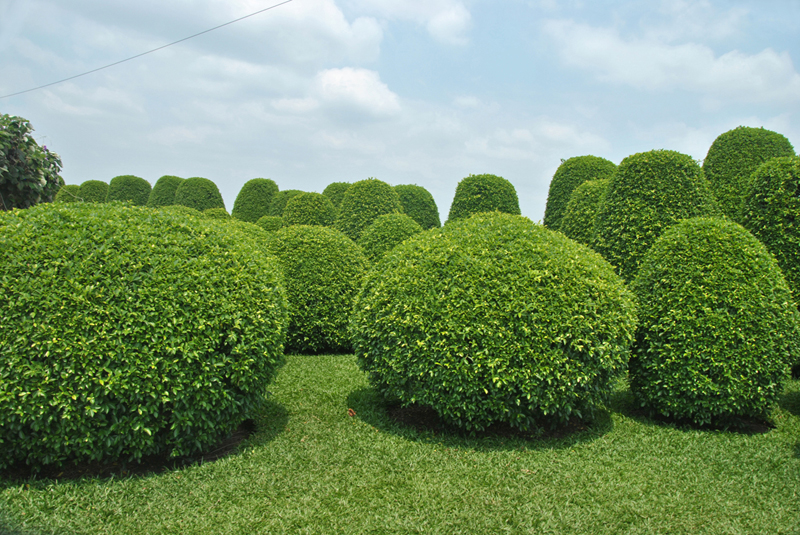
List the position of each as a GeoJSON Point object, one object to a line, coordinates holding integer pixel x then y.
{"type": "Point", "coordinates": [407, 91]}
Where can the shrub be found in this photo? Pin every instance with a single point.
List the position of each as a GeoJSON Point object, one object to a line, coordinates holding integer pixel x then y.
{"type": "Point", "coordinates": [163, 193]}
{"type": "Point", "coordinates": [279, 201]}
{"type": "Point", "coordinates": [383, 235]}
{"type": "Point", "coordinates": [733, 157]}
{"type": "Point", "coordinates": [129, 188]}
{"type": "Point", "coordinates": [363, 202]}
{"type": "Point", "coordinates": [270, 222]}
{"type": "Point", "coordinates": [68, 193]}
{"type": "Point", "coordinates": [578, 217]}
{"type": "Point", "coordinates": [483, 193]}
{"type": "Point", "coordinates": [335, 192]}
{"type": "Point", "coordinates": [494, 319]}
{"type": "Point", "coordinates": [569, 175]}
{"type": "Point", "coordinates": [650, 192]}
{"type": "Point", "coordinates": [216, 213]}
{"type": "Point", "coordinates": [128, 331]}
{"type": "Point", "coordinates": [93, 191]}
{"type": "Point", "coordinates": [179, 209]}
{"type": "Point", "coordinates": [418, 204]}
{"type": "Point", "coordinates": [718, 327]}
{"type": "Point", "coordinates": [254, 199]}
{"type": "Point", "coordinates": [309, 209]}
{"type": "Point", "coordinates": [198, 193]}
{"type": "Point", "coordinates": [323, 270]}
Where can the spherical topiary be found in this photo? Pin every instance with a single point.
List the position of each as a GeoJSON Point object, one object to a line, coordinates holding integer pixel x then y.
{"type": "Point", "coordinates": [68, 193]}
{"type": "Point", "coordinates": [279, 201]}
{"type": "Point", "coordinates": [163, 193]}
{"type": "Point", "coordinates": [323, 270]}
{"type": "Point", "coordinates": [418, 204]}
{"type": "Point", "coordinates": [270, 222]}
{"type": "Point", "coordinates": [198, 193]}
{"type": "Point", "coordinates": [335, 192]}
{"type": "Point", "coordinates": [93, 191]}
{"type": "Point", "coordinates": [483, 193]}
{"type": "Point", "coordinates": [650, 192]}
{"type": "Point", "coordinates": [494, 319]}
{"type": "Point", "coordinates": [254, 199]}
{"type": "Point", "coordinates": [578, 218]}
{"type": "Point", "coordinates": [718, 327]}
{"type": "Point", "coordinates": [363, 202]}
{"type": "Point", "coordinates": [129, 188]}
{"type": "Point", "coordinates": [385, 233]}
{"type": "Point", "coordinates": [733, 157]}
{"type": "Point", "coordinates": [309, 209]}
{"type": "Point", "coordinates": [569, 175]}
{"type": "Point", "coordinates": [216, 213]}
{"type": "Point", "coordinates": [128, 331]}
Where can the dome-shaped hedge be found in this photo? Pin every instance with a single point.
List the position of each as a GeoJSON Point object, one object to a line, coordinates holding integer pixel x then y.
{"type": "Point", "coordinates": [270, 222]}
{"type": "Point", "coordinates": [385, 233]}
{"type": "Point", "coordinates": [254, 199]}
{"type": "Point", "coordinates": [335, 192]}
{"type": "Point", "coordinates": [68, 193]}
{"type": "Point", "coordinates": [733, 157]}
{"type": "Point", "coordinates": [129, 188]}
{"type": "Point", "coordinates": [483, 193]}
{"type": "Point", "coordinates": [216, 213]}
{"type": "Point", "coordinates": [198, 193]}
{"type": "Point", "coordinates": [418, 204]}
{"type": "Point", "coordinates": [718, 327]}
{"type": "Point", "coordinates": [129, 331]}
{"type": "Point", "coordinates": [494, 319]}
{"type": "Point", "coordinates": [309, 209]}
{"type": "Point", "coordinates": [163, 193]}
{"type": "Point", "coordinates": [323, 270]}
{"type": "Point", "coordinates": [650, 192]}
{"type": "Point", "coordinates": [93, 191]}
{"type": "Point", "coordinates": [578, 218]}
{"type": "Point", "coordinates": [279, 201]}
{"type": "Point", "coordinates": [363, 202]}
{"type": "Point", "coordinates": [569, 175]}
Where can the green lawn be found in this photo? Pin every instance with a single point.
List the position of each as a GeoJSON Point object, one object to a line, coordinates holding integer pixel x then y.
{"type": "Point", "coordinates": [311, 468]}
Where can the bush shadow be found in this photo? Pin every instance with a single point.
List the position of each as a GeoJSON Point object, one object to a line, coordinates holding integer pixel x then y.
{"type": "Point", "coordinates": [790, 402]}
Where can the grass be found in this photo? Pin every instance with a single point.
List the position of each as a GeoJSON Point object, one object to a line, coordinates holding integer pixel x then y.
{"type": "Point", "coordinates": [311, 468]}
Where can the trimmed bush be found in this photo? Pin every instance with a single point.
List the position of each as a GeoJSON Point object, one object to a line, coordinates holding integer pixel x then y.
{"type": "Point", "coordinates": [335, 192]}
{"type": "Point", "coordinates": [494, 319]}
{"type": "Point", "coordinates": [578, 218]}
{"type": "Point", "coordinates": [733, 157]}
{"type": "Point", "coordinates": [254, 199]}
{"type": "Point", "coordinates": [279, 201]}
{"type": "Point", "coordinates": [163, 193]}
{"type": "Point", "coordinates": [216, 213]}
{"type": "Point", "coordinates": [68, 193]}
{"type": "Point", "coordinates": [129, 188]}
{"type": "Point", "coordinates": [388, 231]}
{"type": "Point", "coordinates": [418, 204]}
{"type": "Point", "coordinates": [363, 202]}
{"type": "Point", "coordinates": [179, 209]}
{"type": "Point", "coordinates": [128, 332]}
{"type": "Point", "coordinates": [309, 209]}
{"type": "Point", "coordinates": [718, 327]}
{"type": "Point", "coordinates": [270, 222]}
{"type": "Point", "coordinates": [650, 192]}
{"type": "Point", "coordinates": [569, 175]}
{"type": "Point", "coordinates": [93, 191]}
{"type": "Point", "coordinates": [198, 193]}
{"type": "Point", "coordinates": [483, 193]}
{"type": "Point", "coordinates": [323, 270]}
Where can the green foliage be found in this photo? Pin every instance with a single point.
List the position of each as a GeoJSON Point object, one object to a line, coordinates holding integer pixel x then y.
{"type": "Point", "coordinates": [569, 175]}
{"type": "Point", "coordinates": [323, 270]}
{"type": "Point", "coordinates": [385, 233]}
{"type": "Point", "coordinates": [68, 193]}
{"type": "Point", "coordinates": [650, 192]}
{"type": "Point", "coordinates": [483, 193]}
{"type": "Point", "coordinates": [216, 213]}
{"type": "Point", "coordinates": [198, 193]}
{"type": "Point", "coordinates": [577, 221]}
{"type": "Point", "coordinates": [733, 157]}
{"type": "Point", "coordinates": [93, 191]}
{"type": "Point", "coordinates": [179, 209]}
{"type": "Point", "coordinates": [363, 202]}
{"type": "Point", "coordinates": [494, 319]}
{"type": "Point", "coordinates": [28, 172]}
{"type": "Point", "coordinates": [718, 327]}
{"type": "Point", "coordinates": [129, 188]}
{"type": "Point", "coordinates": [163, 193]}
{"type": "Point", "coordinates": [309, 209]}
{"type": "Point", "coordinates": [418, 204]}
{"type": "Point", "coordinates": [254, 199]}
{"type": "Point", "coordinates": [270, 222]}
{"type": "Point", "coordinates": [129, 331]}
{"type": "Point", "coordinates": [335, 192]}
{"type": "Point", "coordinates": [279, 201]}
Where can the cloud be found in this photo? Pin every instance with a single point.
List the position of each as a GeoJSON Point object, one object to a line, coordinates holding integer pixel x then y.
{"type": "Point", "coordinates": [447, 21]}
{"type": "Point", "coordinates": [359, 89]}
{"type": "Point", "coordinates": [466, 101]}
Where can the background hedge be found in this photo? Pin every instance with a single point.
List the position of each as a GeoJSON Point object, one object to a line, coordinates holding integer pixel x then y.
{"type": "Point", "coordinates": [163, 193]}
{"type": "Point", "coordinates": [68, 193]}
{"type": "Point", "coordinates": [577, 221]}
{"type": "Point", "coordinates": [335, 192]}
{"type": "Point", "coordinates": [418, 204]}
{"type": "Point", "coordinates": [216, 213]}
{"type": "Point", "coordinates": [483, 193]}
{"type": "Point", "coordinates": [309, 209]}
{"type": "Point", "coordinates": [129, 188]}
{"type": "Point", "coordinates": [270, 222]}
{"type": "Point", "coordinates": [199, 193]}
{"type": "Point", "coordinates": [93, 191]}
{"type": "Point", "coordinates": [363, 202]}
{"type": "Point", "coordinates": [254, 199]}
{"type": "Point", "coordinates": [569, 175]}
{"type": "Point", "coordinates": [279, 201]}
{"type": "Point", "coordinates": [385, 233]}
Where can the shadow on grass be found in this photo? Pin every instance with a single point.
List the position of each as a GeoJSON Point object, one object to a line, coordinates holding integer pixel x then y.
{"type": "Point", "coordinates": [790, 401]}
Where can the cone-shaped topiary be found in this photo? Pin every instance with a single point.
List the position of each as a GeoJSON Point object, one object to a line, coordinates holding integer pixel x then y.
{"type": "Point", "coordinates": [718, 327]}
{"type": "Point", "coordinates": [569, 175]}
{"type": "Point", "coordinates": [198, 193]}
{"type": "Point", "coordinates": [279, 201]}
{"type": "Point", "coordinates": [216, 213]}
{"type": "Point", "coordinates": [733, 157]}
{"type": "Point", "coordinates": [254, 199]}
{"type": "Point", "coordinates": [578, 218]}
{"type": "Point", "coordinates": [163, 193]}
{"type": "Point", "coordinates": [363, 202]}
{"type": "Point", "coordinates": [483, 193]}
{"type": "Point", "coordinates": [418, 204]}
{"type": "Point", "coordinates": [270, 222]}
{"type": "Point", "coordinates": [494, 319]}
{"type": "Point", "coordinates": [129, 188]}
{"type": "Point", "coordinates": [309, 209]}
{"type": "Point", "coordinates": [385, 233]}
{"type": "Point", "coordinates": [68, 193]}
{"type": "Point", "coordinates": [335, 192]}
{"type": "Point", "coordinates": [93, 191]}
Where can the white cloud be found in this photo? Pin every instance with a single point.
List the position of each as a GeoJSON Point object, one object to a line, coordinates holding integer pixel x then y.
{"type": "Point", "coordinates": [536, 142]}
{"type": "Point", "coordinates": [295, 105]}
{"type": "Point", "coordinates": [360, 89]}
{"type": "Point", "coordinates": [466, 102]}
{"type": "Point", "coordinates": [447, 21]}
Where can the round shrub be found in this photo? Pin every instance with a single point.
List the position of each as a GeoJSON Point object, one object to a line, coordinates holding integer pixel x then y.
{"type": "Point", "coordinates": [483, 193]}
{"type": "Point", "coordinates": [163, 193]}
{"type": "Point", "coordinates": [494, 319]}
{"type": "Point", "coordinates": [569, 175]}
{"type": "Point", "coordinates": [68, 193]}
{"type": "Point", "coordinates": [733, 157]}
{"type": "Point", "coordinates": [335, 192]}
{"type": "Point", "coordinates": [388, 231]}
{"type": "Point", "coordinates": [323, 270]}
{"type": "Point", "coordinates": [650, 192]}
{"type": "Point", "coordinates": [309, 209]}
{"type": "Point", "coordinates": [578, 218]}
{"type": "Point", "coordinates": [129, 188]}
{"type": "Point", "coordinates": [198, 193]}
{"type": "Point", "coordinates": [418, 204]}
{"type": "Point", "coordinates": [216, 213]}
{"type": "Point", "coordinates": [279, 201]}
{"type": "Point", "coordinates": [270, 222]}
{"type": "Point", "coordinates": [718, 327]}
{"type": "Point", "coordinates": [128, 331]}
{"type": "Point", "coordinates": [93, 191]}
{"type": "Point", "coordinates": [363, 202]}
{"type": "Point", "coordinates": [254, 199]}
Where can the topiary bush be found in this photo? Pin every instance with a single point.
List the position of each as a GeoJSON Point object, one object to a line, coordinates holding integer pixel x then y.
{"type": "Point", "coordinates": [129, 188]}
{"type": "Point", "coordinates": [385, 233]}
{"type": "Point", "coordinates": [418, 204]}
{"type": "Point", "coordinates": [309, 209]}
{"type": "Point", "coordinates": [280, 200]}
{"type": "Point", "coordinates": [198, 193]}
{"type": "Point", "coordinates": [335, 192]}
{"type": "Point", "coordinates": [494, 319]}
{"type": "Point", "coordinates": [127, 332]}
{"type": "Point", "coordinates": [718, 327]}
{"type": "Point", "coordinates": [216, 213]}
{"type": "Point", "coordinates": [483, 193]}
{"type": "Point", "coordinates": [179, 209]}
{"type": "Point", "coordinates": [650, 192]}
{"type": "Point", "coordinates": [254, 199]}
{"type": "Point", "coordinates": [363, 202]}
{"type": "Point", "coordinates": [323, 270]}
{"type": "Point", "coordinates": [270, 222]}
{"type": "Point", "coordinates": [578, 218]}
{"type": "Point", "coordinates": [163, 193]}
{"type": "Point", "coordinates": [733, 157]}
{"type": "Point", "coordinates": [68, 193]}
{"type": "Point", "coordinates": [569, 175]}
{"type": "Point", "coordinates": [93, 191]}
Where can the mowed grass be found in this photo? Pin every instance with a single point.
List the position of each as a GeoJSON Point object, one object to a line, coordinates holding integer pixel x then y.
{"type": "Point", "coordinates": [312, 468]}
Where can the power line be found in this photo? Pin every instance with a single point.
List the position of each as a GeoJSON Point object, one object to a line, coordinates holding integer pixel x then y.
{"type": "Point", "coordinates": [145, 53]}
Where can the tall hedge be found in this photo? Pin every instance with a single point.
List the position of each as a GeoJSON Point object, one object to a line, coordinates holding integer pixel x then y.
{"type": "Point", "coordinates": [363, 202]}
{"type": "Point", "coordinates": [335, 192]}
{"type": "Point", "coordinates": [309, 208]}
{"type": "Point", "coordinates": [569, 175]}
{"type": "Point", "coordinates": [385, 233]}
{"type": "Point", "coordinates": [129, 188]}
{"type": "Point", "coordinates": [581, 211]}
{"type": "Point", "coordinates": [483, 193]}
{"type": "Point", "coordinates": [254, 199]}
{"type": "Point", "coordinates": [163, 193]}
{"type": "Point", "coordinates": [279, 201]}
{"type": "Point", "coordinates": [93, 191]}
{"type": "Point", "coordinates": [68, 193]}
{"type": "Point", "coordinates": [198, 193]}
{"type": "Point", "coordinates": [418, 204]}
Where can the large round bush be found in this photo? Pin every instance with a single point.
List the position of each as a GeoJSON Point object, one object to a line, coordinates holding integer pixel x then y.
{"type": "Point", "coordinates": [163, 193]}
{"type": "Point", "coordinates": [198, 193]}
{"type": "Point", "coordinates": [335, 192]}
{"type": "Point", "coordinates": [68, 193]}
{"type": "Point", "coordinates": [483, 193]}
{"type": "Point", "coordinates": [93, 191]}
{"type": "Point", "coordinates": [388, 231]}
{"type": "Point", "coordinates": [363, 202]}
{"type": "Point", "coordinates": [129, 188]}
{"type": "Point", "coordinates": [494, 319]}
{"type": "Point", "coordinates": [569, 175]}
{"type": "Point", "coordinates": [280, 200]}
{"type": "Point", "coordinates": [128, 331]}
{"type": "Point", "coordinates": [578, 218]}
{"type": "Point", "coordinates": [254, 199]}
{"type": "Point", "coordinates": [418, 204]}
{"type": "Point", "coordinates": [309, 209]}
{"type": "Point", "coordinates": [718, 327]}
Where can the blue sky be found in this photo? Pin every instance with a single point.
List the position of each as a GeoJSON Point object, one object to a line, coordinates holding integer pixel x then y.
{"type": "Point", "coordinates": [407, 91]}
